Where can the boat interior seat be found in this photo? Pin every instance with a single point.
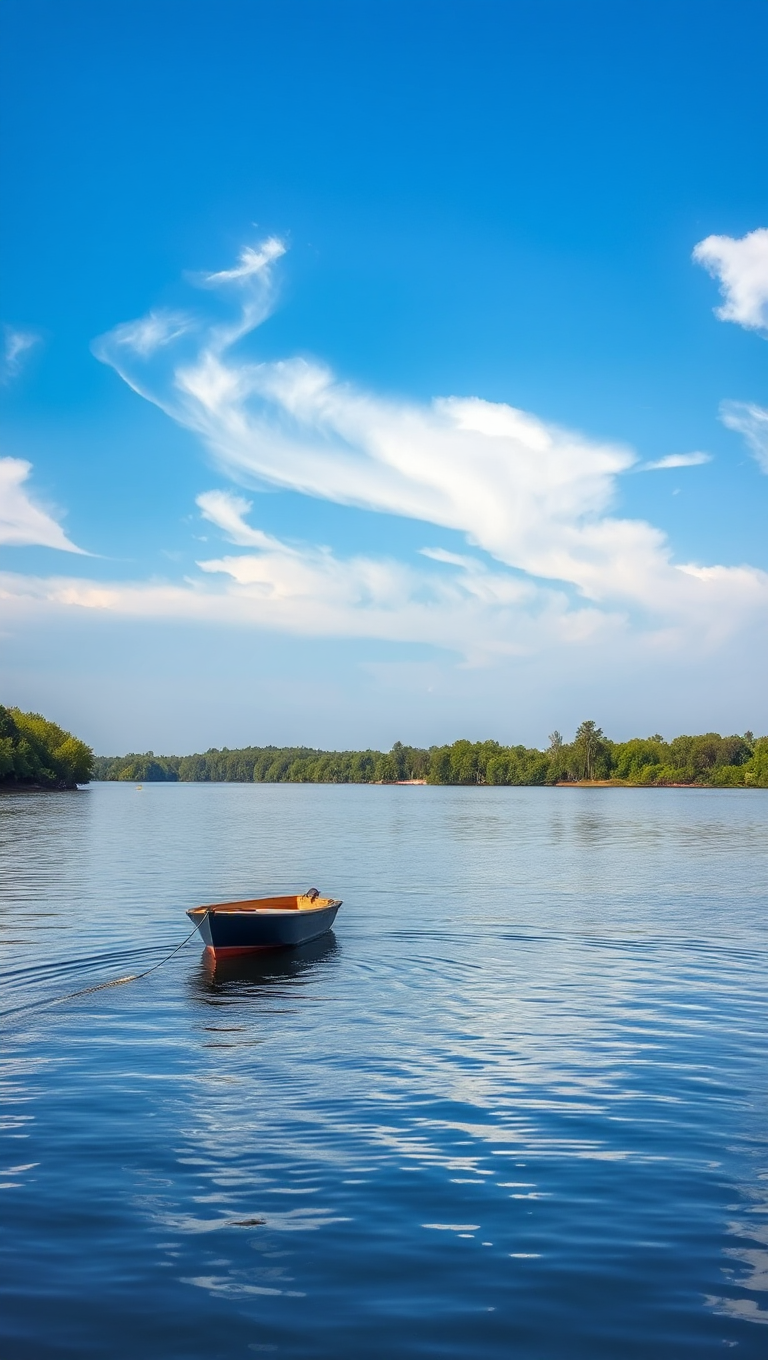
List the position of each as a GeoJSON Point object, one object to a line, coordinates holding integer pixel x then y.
{"type": "Point", "coordinates": [302, 902]}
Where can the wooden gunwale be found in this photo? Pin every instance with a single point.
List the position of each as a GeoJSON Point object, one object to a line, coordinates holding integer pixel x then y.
{"type": "Point", "coordinates": [272, 905]}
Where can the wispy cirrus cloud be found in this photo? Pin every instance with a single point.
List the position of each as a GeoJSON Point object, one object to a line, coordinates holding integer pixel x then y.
{"type": "Point", "coordinates": [676, 460]}
{"type": "Point", "coordinates": [253, 263]}
{"type": "Point", "coordinates": [535, 497]}
{"type": "Point", "coordinates": [22, 522]}
{"type": "Point", "coordinates": [741, 266]}
{"type": "Point", "coordinates": [468, 604]}
{"type": "Point", "coordinates": [458, 603]}
{"type": "Point", "coordinates": [751, 421]}
{"type": "Point", "coordinates": [474, 612]}
{"type": "Point", "coordinates": [228, 513]}
{"type": "Point", "coordinates": [17, 345]}
{"type": "Point", "coordinates": [153, 331]}
{"type": "Point", "coordinates": [310, 590]}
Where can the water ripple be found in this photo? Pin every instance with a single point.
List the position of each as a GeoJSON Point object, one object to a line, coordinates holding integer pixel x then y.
{"type": "Point", "coordinates": [515, 1104]}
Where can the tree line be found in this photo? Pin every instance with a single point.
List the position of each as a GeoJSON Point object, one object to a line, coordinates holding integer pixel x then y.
{"type": "Point", "coordinates": [36, 752]}
{"type": "Point", "coordinates": [709, 760]}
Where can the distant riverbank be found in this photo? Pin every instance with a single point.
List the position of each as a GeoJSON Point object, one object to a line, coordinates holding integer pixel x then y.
{"type": "Point", "coordinates": [590, 760]}
{"type": "Point", "coordinates": [36, 753]}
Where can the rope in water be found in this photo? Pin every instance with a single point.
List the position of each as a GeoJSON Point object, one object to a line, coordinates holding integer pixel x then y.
{"type": "Point", "coordinates": [118, 982]}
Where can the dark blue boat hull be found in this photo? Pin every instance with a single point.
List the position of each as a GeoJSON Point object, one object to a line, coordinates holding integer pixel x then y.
{"type": "Point", "coordinates": [243, 932]}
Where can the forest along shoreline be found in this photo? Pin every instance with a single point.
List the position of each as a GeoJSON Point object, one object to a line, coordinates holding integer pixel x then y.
{"type": "Point", "coordinates": [36, 753]}
{"type": "Point", "coordinates": [590, 760]}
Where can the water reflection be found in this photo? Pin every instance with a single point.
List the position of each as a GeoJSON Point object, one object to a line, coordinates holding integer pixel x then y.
{"type": "Point", "coordinates": [513, 1110]}
{"type": "Point", "coordinates": [247, 974]}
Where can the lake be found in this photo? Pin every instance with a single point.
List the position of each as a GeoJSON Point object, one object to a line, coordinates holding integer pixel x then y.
{"type": "Point", "coordinates": [514, 1106]}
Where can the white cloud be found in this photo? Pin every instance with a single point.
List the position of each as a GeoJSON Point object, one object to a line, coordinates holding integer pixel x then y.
{"type": "Point", "coordinates": [531, 495]}
{"type": "Point", "coordinates": [151, 332]}
{"type": "Point", "coordinates": [479, 614]}
{"type": "Point", "coordinates": [228, 513]}
{"type": "Point", "coordinates": [464, 605]}
{"type": "Point", "coordinates": [676, 460]}
{"type": "Point", "coordinates": [741, 266]}
{"type": "Point", "coordinates": [252, 262]}
{"type": "Point", "coordinates": [751, 421]}
{"type": "Point", "coordinates": [476, 611]}
{"type": "Point", "coordinates": [21, 521]}
{"type": "Point", "coordinates": [16, 346]}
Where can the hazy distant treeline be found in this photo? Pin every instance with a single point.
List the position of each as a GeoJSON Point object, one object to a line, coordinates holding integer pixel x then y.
{"type": "Point", "coordinates": [34, 751]}
{"type": "Point", "coordinates": [738, 761]}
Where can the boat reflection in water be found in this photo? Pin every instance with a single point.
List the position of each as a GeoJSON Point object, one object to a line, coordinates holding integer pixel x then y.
{"type": "Point", "coordinates": [240, 974]}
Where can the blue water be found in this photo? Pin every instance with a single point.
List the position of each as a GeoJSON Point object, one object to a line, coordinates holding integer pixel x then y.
{"type": "Point", "coordinates": [515, 1106]}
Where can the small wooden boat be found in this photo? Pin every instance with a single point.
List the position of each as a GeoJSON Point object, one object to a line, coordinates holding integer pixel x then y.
{"type": "Point", "coordinates": [230, 928]}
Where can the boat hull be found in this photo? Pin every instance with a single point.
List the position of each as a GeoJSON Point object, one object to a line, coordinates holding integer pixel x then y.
{"type": "Point", "coordinates": [228, 933]}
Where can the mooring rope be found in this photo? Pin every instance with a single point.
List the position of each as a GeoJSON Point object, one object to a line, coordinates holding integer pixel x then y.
{"type": "Point", "coordinates": [114, 982]}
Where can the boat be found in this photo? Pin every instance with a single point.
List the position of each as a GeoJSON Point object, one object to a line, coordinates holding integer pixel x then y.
{"type": "Point", "coordinates": [230, 928]}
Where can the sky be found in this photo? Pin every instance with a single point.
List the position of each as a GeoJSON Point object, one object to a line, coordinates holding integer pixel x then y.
{"type": "Point", "coordinates": [380, 371]}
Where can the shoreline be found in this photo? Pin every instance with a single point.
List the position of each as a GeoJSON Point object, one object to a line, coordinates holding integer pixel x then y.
{"type": "Point", "coordinates": [627, 784]}
{"type": "Point", "coordinates": [46, 788]}
{"type": "Point", "coordinates": [386, 784]}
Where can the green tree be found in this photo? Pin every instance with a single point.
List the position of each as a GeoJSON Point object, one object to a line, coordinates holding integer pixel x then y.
{"type": "Point", "coordinates": [590, 749]}
{"type": "Point", "coordinates": [756, 769]}
{"type": "Point", "coordinates": [639, 759]}
{"type": "Point", "coordinates": [34, 750]}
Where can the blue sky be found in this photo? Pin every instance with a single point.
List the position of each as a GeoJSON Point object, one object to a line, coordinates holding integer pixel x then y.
{"type": "Point", "coordinates": [341, 339]}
